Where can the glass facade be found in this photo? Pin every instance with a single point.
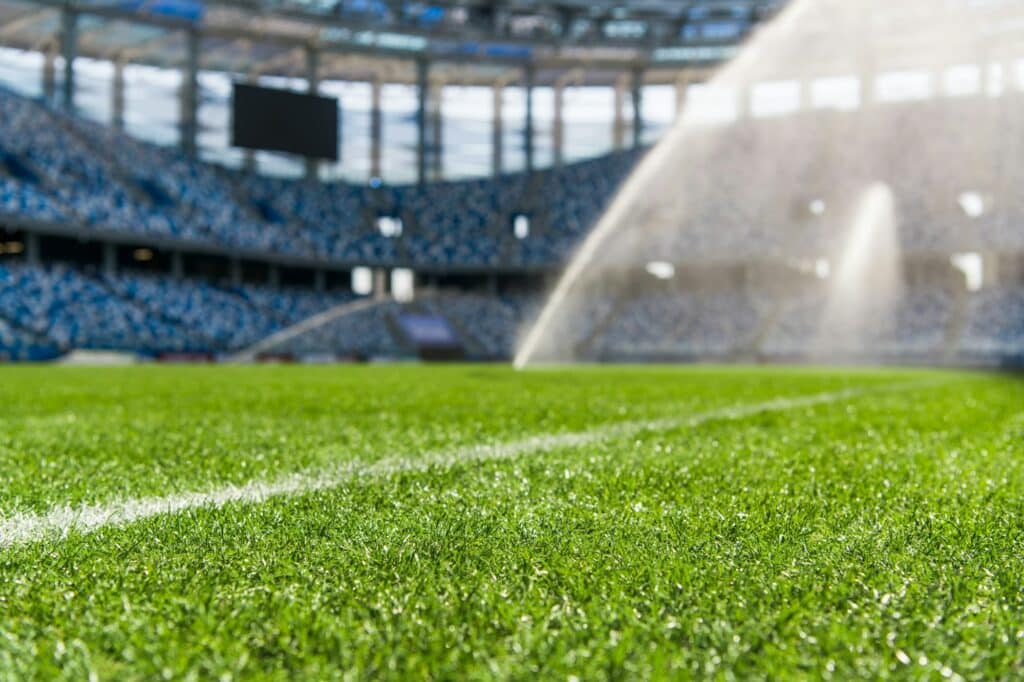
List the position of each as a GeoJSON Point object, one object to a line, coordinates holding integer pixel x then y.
{"type": "Point", "coordinates": [152, 106]}
{"type": "Point", "coordinates": [151, 112]}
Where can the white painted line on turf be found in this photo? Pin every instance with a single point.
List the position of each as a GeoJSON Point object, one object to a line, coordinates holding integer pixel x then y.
{"type": "Point", "coordinates": [23, 528]}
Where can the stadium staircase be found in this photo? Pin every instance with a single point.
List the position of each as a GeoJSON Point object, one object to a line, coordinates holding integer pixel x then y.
{"type": "Point", "coordinates": [230, 178]}
{"type": "Point", "coordinates": [281, 336]}
{"type": "Point", "coordinates": [124, 179]}
{"type": "Point", "coordinates": [18, 169]}
{"type": "Point", "coordinates": [396, 331]}
{"type": "Point", "coordinates": [473, 346]}
{"type": "Point", "coordinates": [30, 173]}
{"type": "Point", "coordinates": [294, 230]}
{"type": "Point", "coordinates": [250, 206]}
{"type": "Point", "coordinates": [37, 335]}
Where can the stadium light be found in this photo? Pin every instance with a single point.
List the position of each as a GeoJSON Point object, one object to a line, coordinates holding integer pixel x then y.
{"type": "Point", "coordinates": [390, 226]}
{"type": "Point", "coordinates": [661, 270]}
{"type": "Point", "coordinates": [973, 268]}
{"type": "Point", "coordinates": [521, 226]}
{"type": "Point", "coordinates": [403, 285]}
{"type": "Point", "coordinates": [972, 204]}
{"type": "Point", "coordinates": [13, 248]}
{"type": "Point", "coordinates": [362, 281]}
{"type": "Point", "coordinates": [822, 268]}
{"type": "Point", "coordinates": [142, 255]}
{"type": "Point", "coordinates": [817, 207]}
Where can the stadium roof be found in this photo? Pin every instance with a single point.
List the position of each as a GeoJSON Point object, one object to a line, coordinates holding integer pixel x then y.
{"type": "Point", "coordinates": [471, 42]}
{"type": "Point", "coordinates": [467, 41]}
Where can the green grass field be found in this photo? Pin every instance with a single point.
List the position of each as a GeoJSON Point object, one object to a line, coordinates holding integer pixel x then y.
{"type": "Point", "coordinates": [472, 523]}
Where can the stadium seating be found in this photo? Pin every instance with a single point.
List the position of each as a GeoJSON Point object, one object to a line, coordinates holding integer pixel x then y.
{"type": "Point", "coordinates": [48, 310]}
{"type": "Point", "coordinates": [57, 168]}
{"type": "Point", "coordinates": [681, 324]}
{"type": "Point", "coordinates": [74, 310]}
{"type": "Point", "coordinates": [489, 324]}
{"type": "Point", "coordinates": [995, 324]}
{"type": "Point", "coordinates": [915, 328]}
{"type": "Point", "coordinates": [290, 305]}
{"type": "Point", "coordinates": [367, 333]}
{"type": "Point", "coordinates": [18, 345]}
{"type": "Point", "coordinates": [61, 307]}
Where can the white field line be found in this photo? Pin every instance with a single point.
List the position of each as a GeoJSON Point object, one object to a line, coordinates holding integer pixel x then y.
{"type": "Point", "coordinates": [23, 528]}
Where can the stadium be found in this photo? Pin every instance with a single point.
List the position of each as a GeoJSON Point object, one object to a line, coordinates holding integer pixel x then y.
{"type": "Point", "coordinates": [474, 339]}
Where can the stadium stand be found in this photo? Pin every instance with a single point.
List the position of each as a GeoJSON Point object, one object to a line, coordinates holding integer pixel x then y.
{"type": "Point", "coordinates": [367, 333]}
{"type": "Point", "coordinates": [488, 323]}
{"type": "Point", "coordinates": [61, 170]}
{"type": "Point", "coordinates": [682, 325]}
{"type": "Point", "coordinates": [75, 171]}
{"type": "Point", "coordinates": [19, 345]}
{"type": "Point", "coordinates": [48, 310]}
{"type": "Point", "coordinates": [916, 328]}
{"type": "Point", "coordinates": [62, 307]}
{"type": "Point", "coordinates": [995, 325]}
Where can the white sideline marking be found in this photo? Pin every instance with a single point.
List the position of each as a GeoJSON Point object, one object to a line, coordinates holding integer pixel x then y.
{"type": "Point", "coordinates": [24, 528]}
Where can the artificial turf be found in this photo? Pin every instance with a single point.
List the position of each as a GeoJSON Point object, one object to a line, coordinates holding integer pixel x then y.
{"type": "Point", "coordinates": [878, 533]}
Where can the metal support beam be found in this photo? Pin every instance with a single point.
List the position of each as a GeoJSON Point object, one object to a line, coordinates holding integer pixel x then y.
{"type": "Point", "coordinates": [558, 126]}
{"type": "Point", "coordinates": [376, 127]}
{"type": "Point", "coordinates": [189, 94]}
{"type": "Point", "coordinates": [423, 94]}
{"type": "Point", "coordinates": [110, 259]}
{"type": "Point", "coordinates": [682, 91]}
{"type": "Point", "coordinates": [68, 48]}
{"type": "Point", "coordinates": [235, 271]}
{"type": "Point", "coordinates": [497, 129]}
{"type": "Point", "coordinates": [274, 276]}
{"type": "Point", "coordinates": [638, 108]}
{"type": "Point", "coordinates": [313, 87]}
{"type": "Point", "coordinates": [437, 130]}
{"type": "Point", "coordinates": [618, 119]}
{"type": "Point", "coordinates": [319, 281]}
{"type": "Point", "coordinates": [177, 264]}
{"type": "Point", "coordinates": [498, 122]}
{"type": "Point", "coordinates": [574, 77]}
{"type": "Point", "coordinates": [528, 76]}
{"type": "Point", "coordinates": [32, 248]}
{"type": "Point", "coordinates": [25, 23]}
{"type": "Point", "coordinates": [50, 73]}
{"type": "Point", "coordinates": [117, 96]}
